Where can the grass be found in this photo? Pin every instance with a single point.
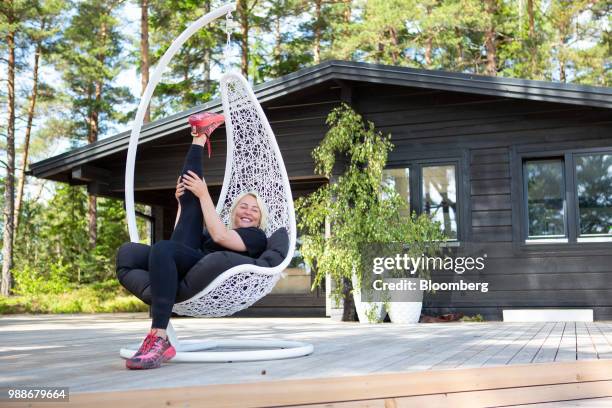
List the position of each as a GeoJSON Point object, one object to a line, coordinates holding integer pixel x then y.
{"type": "Point", "coordinates": [106, 297]}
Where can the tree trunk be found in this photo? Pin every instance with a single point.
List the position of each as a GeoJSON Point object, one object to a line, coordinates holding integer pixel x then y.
{"type": "Point", "coordinates": [277, 43]}
{"type": "Point", "coordinates": [349, 314]}
{"type": "Point", "coordinates": [428, 43]}
{"type": "Point", "coordinates": [533, 41]}
{"type": "Point", "coordinates": [460, 59]}
{"type": "Point", "coordinates": [563, 33]}
{"type": "Point", "coordinates": [207, 54]}
{"type": "Point", "coordinates": [347, 11]}
{"type": "Point", "coordinates": [531, 18]}
{"type": "Point", "coordinates": [317, 33]}
{"type": "Point", "coordinates": [562, 71]}
{"type": "Point", "coordinates": [428, 49]}
{"type": "Point", "coordinates": [92, 213]}
{"type": "Point", "coordinates": [9, 192]}
{"type": "Point", "coordinates": [394, 40]}
{"type": "Point", "coordinates": [144, 52]}
{"type": "Point", "coordinates": [28, 132]}
{"type": "Point", "coordinates": [491, 67]}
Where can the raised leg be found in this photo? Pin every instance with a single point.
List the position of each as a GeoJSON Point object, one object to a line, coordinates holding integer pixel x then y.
{"type": "Point", "coordinates": [188, 230]}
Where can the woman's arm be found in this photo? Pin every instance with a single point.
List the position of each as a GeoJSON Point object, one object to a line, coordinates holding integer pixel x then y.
{"type": "Point", "coordinates": [218, 231]}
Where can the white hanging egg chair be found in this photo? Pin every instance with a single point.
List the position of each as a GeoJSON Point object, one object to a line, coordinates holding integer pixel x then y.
{"type": "Point", "coordinates": [254, 163]}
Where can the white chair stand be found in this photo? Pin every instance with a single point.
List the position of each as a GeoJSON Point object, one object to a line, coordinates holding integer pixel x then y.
{"type": "Point", "coordinates": [254, 163]}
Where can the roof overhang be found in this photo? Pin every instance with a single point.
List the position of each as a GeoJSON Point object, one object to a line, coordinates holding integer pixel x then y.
{"type": "Point", "coordinates": [349, 71]}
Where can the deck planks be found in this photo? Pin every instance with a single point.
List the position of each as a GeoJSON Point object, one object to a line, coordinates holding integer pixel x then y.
{"type": "Point", "coordinates": [476, 387]}
{"type": "Point", "coordinates": [49, 350]}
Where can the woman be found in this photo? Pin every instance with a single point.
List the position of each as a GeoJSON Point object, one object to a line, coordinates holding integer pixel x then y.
{"type": "Point", "coordinates": [170, 260]}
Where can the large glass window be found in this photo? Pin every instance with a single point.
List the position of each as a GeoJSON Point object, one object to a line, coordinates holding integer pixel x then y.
{"type": "Point", "coordinates": [428, 188]}
{"type": "Point", "coordinates": [439, 198]}
{"type": "Point", "coordinates": [545, 191]}
{"type": "Point", "coordinates": [568, 196]}
{"type": "Point", "coordinates": [594, 192]}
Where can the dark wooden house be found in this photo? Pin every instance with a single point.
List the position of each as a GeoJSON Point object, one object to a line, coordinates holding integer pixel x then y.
{"type": "Point", "coordinates": [515, 169]}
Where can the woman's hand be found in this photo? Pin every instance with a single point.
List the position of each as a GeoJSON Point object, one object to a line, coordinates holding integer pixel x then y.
{"type": "Point", "coordinates": [195, 184]}
{"type": "Point", "coordinates": [180, 190]}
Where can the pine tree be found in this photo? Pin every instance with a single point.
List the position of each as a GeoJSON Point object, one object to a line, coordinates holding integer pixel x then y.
{"type": "Point", "coordinates": [291, 48]}
{"type": "Point", "coordinates": [381, 35]}
{"type": "Point", "coordinates": [13, 14]}
{"type": "Point", "coordinates": [593, 45]}
{"type": "Point", "coordinates": [42, 32]}
{"type": "Point", "coordinates": [91, 57]}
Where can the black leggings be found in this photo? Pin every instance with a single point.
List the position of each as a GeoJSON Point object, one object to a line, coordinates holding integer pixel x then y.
{"type": "Point", "coordinates": [168, 261]}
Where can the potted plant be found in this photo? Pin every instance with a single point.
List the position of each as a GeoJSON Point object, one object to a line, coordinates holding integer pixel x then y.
{"type": "Point", "coordinates": [356, 207]}
{"type": "Point", "coordinates": [422, 238]}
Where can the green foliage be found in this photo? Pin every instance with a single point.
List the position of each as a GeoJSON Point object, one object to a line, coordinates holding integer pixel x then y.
{"type": "Point", "coordinates": [53, 238]}
{"type": "Point", "coordinates": [104, 297]}
{"type": "Point", "coordinates": [52, 280]}
{"type": "Point", "coordinates": [359, 208]}
{"type": "Point", "coordinates": [112, 232]}
{"type": "Point", "coordinates": [90, 58]}
{"type": "Point", "coordinates": [187, 82]}
{"type": "Point", "coordinates": [372, 313]}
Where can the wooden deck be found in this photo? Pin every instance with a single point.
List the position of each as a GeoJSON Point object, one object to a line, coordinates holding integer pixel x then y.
{"type": "Point", "coordinates": [82, 352]}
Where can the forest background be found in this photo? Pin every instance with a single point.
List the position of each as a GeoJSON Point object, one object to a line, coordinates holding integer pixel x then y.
{"type": "Point", "coordinates": [72, 71]}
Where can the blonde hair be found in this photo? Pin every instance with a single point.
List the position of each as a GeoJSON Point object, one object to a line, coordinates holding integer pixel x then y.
{"type": "Point", "coordinates": [263, 211]}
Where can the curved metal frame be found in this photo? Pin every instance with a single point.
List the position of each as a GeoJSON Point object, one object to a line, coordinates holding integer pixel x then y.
{"type": "Point", "coordinates": [189, 350]}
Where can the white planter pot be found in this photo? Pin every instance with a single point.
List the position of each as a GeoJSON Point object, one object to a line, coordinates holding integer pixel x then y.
{"type": "Point", "coordinates": [405, 312]}
{"type": "Point", "coordinates": [368, 312]}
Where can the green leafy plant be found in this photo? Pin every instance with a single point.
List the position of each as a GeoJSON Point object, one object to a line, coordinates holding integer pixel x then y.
{"type": "Point", "coordinates": [372, 314]}
{"type": "Point", "coordinates": [30, 281]}
{"type": "Point", "coordinates": [358, 206]}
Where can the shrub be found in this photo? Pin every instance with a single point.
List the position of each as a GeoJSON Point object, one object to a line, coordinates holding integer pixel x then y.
{"type": "Point", "coordinates": [31, 281]}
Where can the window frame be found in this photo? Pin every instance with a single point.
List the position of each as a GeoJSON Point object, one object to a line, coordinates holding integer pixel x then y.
{"type": "Point", "coordinates": [585, 239]}
{"type": "Point", "coordinates": [416, 189]}
{"type": "Point", "coordinates": [525, 203]}
{"type": "Point", "coordinates": [519, 205]}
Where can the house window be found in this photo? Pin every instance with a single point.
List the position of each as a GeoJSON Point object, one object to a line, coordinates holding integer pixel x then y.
{"type": "Point", "coordinates": [545, 188]}
{"type": "Point", "coordinates": [430, 188]}
{"type": "Point", "coordinates": [567, 196]}
{"type": "Point", "coordinates": [594, 194]}
{"type": "Point", "coordinates": [439, 196]}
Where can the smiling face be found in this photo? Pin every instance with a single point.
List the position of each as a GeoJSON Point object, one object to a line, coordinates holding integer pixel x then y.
{"type": "Point", "coordinates": [247, 213]}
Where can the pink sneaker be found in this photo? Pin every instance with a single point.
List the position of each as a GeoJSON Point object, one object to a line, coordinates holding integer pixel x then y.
{"type": "Point", "coordinates": [157, 351]}
{"type": "Point", "coordinates": [204, 124]}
